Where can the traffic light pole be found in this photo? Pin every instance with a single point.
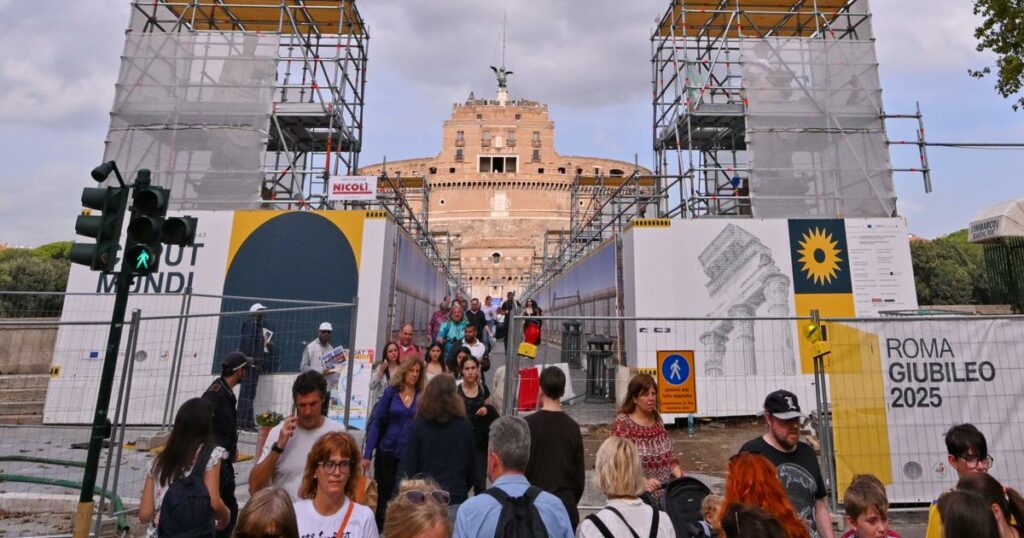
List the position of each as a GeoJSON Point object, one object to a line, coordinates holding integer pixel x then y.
{"type": "Point", "coordinates": [100, 424]}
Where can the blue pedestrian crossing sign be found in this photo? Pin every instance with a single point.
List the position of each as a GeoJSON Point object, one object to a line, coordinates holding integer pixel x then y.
{"type": "Point", "coordinates": [677, 388]}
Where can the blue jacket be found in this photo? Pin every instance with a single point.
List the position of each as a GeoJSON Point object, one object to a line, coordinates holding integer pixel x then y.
{"type": "Point", "coordinates": [390, 424]}
{"type": "Point", "coordinates": [443, 452]}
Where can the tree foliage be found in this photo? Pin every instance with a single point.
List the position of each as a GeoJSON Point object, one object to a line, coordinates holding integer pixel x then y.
{"type": "Point", "coordinates": [949, 270]}
{"type": "Point", "coordinates": [1002, 32]}
{"type": "Point", "coordinates": [42, 269]}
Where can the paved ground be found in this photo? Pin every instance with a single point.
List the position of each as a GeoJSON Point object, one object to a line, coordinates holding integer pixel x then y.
{"type": "Point", "coordinates": [46, 510]}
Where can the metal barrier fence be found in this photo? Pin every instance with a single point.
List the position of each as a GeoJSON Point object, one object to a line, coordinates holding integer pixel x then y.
{"type": "Point", "coordinates": [736, 361]}
{"type": "Point", "coordinates": [896, 385]}
{"type": "Point", "coordinates": [176, 344]}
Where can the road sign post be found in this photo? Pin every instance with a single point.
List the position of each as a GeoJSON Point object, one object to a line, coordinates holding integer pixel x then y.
{"type": "Point", "coordinates": [677, 384]}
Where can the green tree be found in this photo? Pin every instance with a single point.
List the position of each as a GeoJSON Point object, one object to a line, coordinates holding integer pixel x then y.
{"type": "Point", "coordinates": [949, 270]}
{"type": "Point", "coordinates": [1002, 32]}
{"type": "Point", "coordinates": [43, 269]}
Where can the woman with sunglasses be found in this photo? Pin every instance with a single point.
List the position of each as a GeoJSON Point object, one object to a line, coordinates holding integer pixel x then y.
{"type": "Point", "coordinates": [420, 510]}
{"type": "Point", "coordinates": [440, 443]}
{"type": "Point", "coordinates": [435, 361]}
{"type": "Point", "coordinates": [329, 482]}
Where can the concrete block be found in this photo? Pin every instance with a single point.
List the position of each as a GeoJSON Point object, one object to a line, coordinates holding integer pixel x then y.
{"type": "Point", "coordinates": [149, 442]}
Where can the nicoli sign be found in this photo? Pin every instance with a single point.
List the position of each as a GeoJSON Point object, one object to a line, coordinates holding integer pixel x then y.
{"type": "Point", "coordinates": [352, 189]}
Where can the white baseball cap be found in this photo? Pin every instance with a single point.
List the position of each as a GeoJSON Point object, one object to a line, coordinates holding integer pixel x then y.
{"type": "Point", "coordinates": [325, 326]}
{"type": "Point", "coordinates": [256, 307]}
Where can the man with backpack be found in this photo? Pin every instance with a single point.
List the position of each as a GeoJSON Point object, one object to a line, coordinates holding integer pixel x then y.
{"type": "Point", "coordinates": [221, 396]}
{"type": "Point", "coordinates": [512, 507]}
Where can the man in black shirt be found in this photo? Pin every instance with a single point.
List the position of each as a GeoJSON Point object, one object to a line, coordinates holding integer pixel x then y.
{"type": "Point", "coordinates": [795, 461]}
{"type": "Point", "coordinates": [225, 425]}
{"type": "Point", "coordinates": [556, 452]}
{"type": "Point", "coordinates": [476, 317]}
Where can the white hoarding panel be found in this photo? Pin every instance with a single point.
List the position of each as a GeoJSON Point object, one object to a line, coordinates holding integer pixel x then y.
{"type": "Point", "coordinates": [736, 270]}
{"type": "Point", "coordinates": [239, 258]}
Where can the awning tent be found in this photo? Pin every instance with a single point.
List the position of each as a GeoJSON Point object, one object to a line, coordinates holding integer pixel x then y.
{"type": "Point", "coordinates": [999, 221]}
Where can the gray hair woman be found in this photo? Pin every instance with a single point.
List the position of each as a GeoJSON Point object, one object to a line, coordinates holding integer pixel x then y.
{"type": "Point", "coordinates": [620, 476]}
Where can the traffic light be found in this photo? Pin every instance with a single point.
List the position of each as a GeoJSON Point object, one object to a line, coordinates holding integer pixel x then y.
{"type": "Point", "coordinates": [105, 228]}
{"type": "Point", "coordinates": [149, 207]}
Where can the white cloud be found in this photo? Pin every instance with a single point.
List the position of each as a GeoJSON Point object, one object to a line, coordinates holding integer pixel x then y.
{"type": "Point", "coordinates": [60, 61]}
{"type": "Point", "coordinates": [916, 36]}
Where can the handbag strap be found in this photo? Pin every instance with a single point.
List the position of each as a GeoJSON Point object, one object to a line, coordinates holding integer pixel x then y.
{"type": "Point", "coordinates": [344, 522]}
{"type": "Point", "coordinates": [613, 510]}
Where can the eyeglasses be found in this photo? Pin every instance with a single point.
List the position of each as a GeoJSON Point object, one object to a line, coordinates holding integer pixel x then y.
{"type": "Point", "coordinates": [973, 462]}
{"type": "Point", "coordinates": [418, 497]}
{"type": "Point", "coordinates": [332, 466]}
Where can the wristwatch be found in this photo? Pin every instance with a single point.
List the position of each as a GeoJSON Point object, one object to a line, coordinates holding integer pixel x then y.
{"type": "Point", "coordinates": [275, 448]}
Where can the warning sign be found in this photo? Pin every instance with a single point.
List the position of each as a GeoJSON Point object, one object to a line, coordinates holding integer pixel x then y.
{"type": "Point", "coordinates": [677, 386]}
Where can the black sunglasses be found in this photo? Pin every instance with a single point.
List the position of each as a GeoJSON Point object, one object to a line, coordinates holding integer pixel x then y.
{"type": "Point", "coordinates": [418, 497]}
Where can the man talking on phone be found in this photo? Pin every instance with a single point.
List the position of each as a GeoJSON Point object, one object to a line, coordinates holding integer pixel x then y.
{"type": "Point", "coordinates": [284, 454]}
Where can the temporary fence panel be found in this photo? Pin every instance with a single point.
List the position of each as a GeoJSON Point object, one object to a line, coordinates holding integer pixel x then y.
{"type": "Point", "coordinates": [288, 260]}
{"type": "Point", "coordinates": [896, 385]}
{"type": "Point", "coordinates": [754, 280]}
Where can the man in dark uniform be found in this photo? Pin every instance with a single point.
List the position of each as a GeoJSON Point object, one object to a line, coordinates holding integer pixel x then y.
{"type": "Point", "coordinates": [221, 394]}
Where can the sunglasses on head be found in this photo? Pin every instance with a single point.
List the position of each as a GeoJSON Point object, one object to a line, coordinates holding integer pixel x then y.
{"type": "Point", "coordinates": [418, 497]}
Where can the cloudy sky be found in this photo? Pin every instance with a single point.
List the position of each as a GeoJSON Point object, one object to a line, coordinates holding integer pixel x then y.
{"type": "Point", "coordinates": [588, 59]}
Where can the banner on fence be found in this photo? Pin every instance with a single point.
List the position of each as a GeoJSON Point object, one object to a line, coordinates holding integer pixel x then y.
{"type": "Point", "coordinates": [896, 387]}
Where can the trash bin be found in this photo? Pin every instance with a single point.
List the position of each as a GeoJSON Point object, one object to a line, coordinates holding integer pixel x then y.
{"type": "Point", "coordinates": [600, 370]}
{"type": "Point", "coordinates": [571, 344]}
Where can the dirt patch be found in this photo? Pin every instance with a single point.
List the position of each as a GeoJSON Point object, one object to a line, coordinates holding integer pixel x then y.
{"type": "Point", "coordinates": [707, 452]}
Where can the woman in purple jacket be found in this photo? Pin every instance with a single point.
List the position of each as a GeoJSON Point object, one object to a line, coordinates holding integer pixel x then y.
{"type": "Point", "coordinates": [389, 427]}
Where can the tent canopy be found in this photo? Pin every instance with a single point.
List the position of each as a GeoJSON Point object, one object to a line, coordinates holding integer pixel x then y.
{"type": "Point", "coordinates": [1001, 220]}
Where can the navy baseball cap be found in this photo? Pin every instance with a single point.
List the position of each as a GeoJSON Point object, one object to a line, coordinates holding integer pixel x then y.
{"type": "Point", "coordinates": [782, 405]}
{"type": "Point", "coordinates": [236, 360]}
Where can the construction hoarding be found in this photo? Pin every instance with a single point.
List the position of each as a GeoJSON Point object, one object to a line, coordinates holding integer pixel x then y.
{"type": "Point", "coordinates": [239, 258]}
{"type": "Point", "coordinates": [732, 271]}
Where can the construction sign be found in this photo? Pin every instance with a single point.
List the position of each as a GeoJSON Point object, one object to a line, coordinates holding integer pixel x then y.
{"type": "Point", "coordinates": [677, 385]}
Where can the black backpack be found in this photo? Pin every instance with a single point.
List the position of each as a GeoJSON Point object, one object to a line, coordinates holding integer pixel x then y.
{"type": "Point", "coordinates": [519, 517]}
{"type": "Point", "coordinates": [683, 497]}
{"type": "Point", "coordinates": [185, 511]}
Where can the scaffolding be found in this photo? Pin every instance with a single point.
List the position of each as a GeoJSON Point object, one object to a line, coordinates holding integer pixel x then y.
{"type": "Point", "coordinates": [240, 104]}
{"type": "Point", "coordinates": [769, 108]}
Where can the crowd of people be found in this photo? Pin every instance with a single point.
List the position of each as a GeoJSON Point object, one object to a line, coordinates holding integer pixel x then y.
{"type": "Point", "coordinates": [434, 441]}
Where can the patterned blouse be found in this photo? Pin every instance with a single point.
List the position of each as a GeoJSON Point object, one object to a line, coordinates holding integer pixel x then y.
{"type": "Point", "coordinates": [654, 446]}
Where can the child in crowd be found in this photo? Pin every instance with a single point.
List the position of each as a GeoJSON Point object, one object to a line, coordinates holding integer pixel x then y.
{"type": "Point", "coordinates": [867, 508]}
{"type": "Point", "coordinates": [709, 509]}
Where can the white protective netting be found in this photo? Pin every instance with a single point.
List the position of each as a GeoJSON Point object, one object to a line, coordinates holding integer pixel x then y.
{"type": "Point", "coordinates": [195, 109]}
{"type": "Point", "coordinates": [815, 130]}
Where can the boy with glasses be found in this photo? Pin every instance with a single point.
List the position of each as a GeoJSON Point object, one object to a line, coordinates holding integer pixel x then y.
{"type": "Point", "coordinates": [967, 453]}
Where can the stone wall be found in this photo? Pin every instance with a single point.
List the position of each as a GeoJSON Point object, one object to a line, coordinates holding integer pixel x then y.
{"type": "Point", "coordinates": [27, 350]}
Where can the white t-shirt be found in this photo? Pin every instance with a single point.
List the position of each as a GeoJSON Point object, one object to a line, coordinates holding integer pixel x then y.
{"type": "Point", "coordinates": [291, 464]}
{"type": "Point", "coordinates": [313, 525]}
{"type": "Point", "coordinates": [637, 513]}
{"type": "Point", "coordinates": [478, 349]}
{"type": "Point", "coordinates": [216, 456]}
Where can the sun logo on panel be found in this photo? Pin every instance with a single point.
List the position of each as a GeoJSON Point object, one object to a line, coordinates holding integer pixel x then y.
{"type": "Point", "coordinates": [819, 256]}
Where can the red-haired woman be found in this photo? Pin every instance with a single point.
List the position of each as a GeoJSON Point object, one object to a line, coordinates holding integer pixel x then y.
{"type": "Point", "coordinates": [753, 480]}
{"type": "Point", "coordinates": [332, 471]}
{"type": "Point", "coordinates": [638, 421]}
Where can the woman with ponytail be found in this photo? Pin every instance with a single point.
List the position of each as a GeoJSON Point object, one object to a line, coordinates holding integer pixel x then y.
{"type": "Point", "coordinates": [1006, 503]}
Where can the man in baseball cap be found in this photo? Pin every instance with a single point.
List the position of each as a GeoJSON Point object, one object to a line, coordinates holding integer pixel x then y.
{"type": "Point", "coordinates": [319, 347]}
{"type": "Point", "coordinates": [794, 460]}
{"type": "Point", "coordinates": [252, 344]}
{"type": "Point", "coordinates": [235, 366]}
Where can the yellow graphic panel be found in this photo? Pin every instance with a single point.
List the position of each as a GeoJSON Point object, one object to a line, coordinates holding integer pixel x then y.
{"type": "Point", "coordinates": [829, 305]}
{"type": "Point", "coordinates": [859, 422]}
{"type": "Point", "coordinates": [246, 222]}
